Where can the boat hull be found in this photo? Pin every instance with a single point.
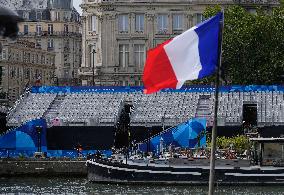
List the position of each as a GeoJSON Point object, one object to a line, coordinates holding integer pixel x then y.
{"type": "Point", "coordinates": [108, 172]}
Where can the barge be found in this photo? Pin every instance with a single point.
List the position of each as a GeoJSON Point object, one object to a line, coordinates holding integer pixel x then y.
{"type": "Point", "coordinates": [182, 172]}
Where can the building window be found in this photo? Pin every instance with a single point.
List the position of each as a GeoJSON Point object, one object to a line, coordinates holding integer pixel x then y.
{"type": "Point", "coordinates": [26, 15]}
{"type": "Point", "coordinates": [18, 72]}
{"type": "Point", "coordinates": [66, 16]}
{"type": "Point", "coordinates": [31, 73]}
{"type": "Point", "coordinates": [4, 54]}
{"type": "Point", "coordinates": [66, 45]}
{"type": "Point", "coordinates": [199, 18]}
{"type": "Point", "coordinates": [38, 29]}
{"type": "Point", "coordinates": [28, 59]}
{"type": "Point", "coordinates": [27, 73]}
{"type": "Point", "coordinates": [17, 57]}
{"type": "Point", "coordinates": [36, 74]}
{"type": "Point", "coordinates": [162, 23]}
{"type": "Point", "coordinates": [50, 29]}
{"type": "Point", "coordinates": [139, 55]}
{"type": "Point", "coordinates": [57, 16]}
{"type": "Point", "coordinates": [66, 60]}
{"type": "Point", "coordinates": [13, 72]}
{"type": "Point", "coordinates": [38, 43]}
{"type": "Point", "coordinates": [21, 73]}
{"type": "Point", "coordinates": [42, 61]}
{"type": "Point", "coordinates": [33, 58]}
{"type": "Point", "coordinates": [139, 23]}
{"type": "Point", "coordinates": [50, 43]}
{"type": "Point", "coordinates": [123, 55]}
{"type": "Point", "coordinates": [26, 29]}
{"type": "Point", "coordinates": [177, 22]}
{"type": "Point", "coordinates": [123, 25]}
{"type": "Point", "coordinates": [4, 72]}
{"type": "Point", "coordinates": [20, 56]}
{"type": "Point", "coordinates": [65, 28]}
{"type": "Point", "coordinates": [38, 15]}
{"type": "Point", "coordinates": [24, 56]}
{"type": "Point", "coordinates": [92, 23]}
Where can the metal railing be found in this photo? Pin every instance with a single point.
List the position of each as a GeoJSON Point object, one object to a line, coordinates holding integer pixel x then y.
{"type": "Point", "coordinates": [46, 33]}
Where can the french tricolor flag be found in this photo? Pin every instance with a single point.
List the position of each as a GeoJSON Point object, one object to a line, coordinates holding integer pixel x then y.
{"type": "Point", "coordinates": [189, 56]}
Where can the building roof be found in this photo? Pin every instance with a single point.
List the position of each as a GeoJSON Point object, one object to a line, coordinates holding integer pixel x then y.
{"type": "Point", "coordinates": [24, 4]}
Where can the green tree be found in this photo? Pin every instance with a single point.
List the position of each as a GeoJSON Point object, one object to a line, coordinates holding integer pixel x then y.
{"type": "Point", "coordinates": [240, 143]}
{"type": "Point", "coordinates": [253, 46]}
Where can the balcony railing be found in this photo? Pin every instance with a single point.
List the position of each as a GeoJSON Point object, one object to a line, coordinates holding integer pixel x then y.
{"type": "Point", "coordinates": [162, 32]}
{"type": "Point", "coordinates": [45, 33]}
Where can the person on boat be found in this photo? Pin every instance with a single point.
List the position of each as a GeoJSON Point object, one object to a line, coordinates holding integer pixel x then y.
{"type": "Point", "coordinates": [79, 149]}
{"type": "Point", "coordinates": [98, 154]}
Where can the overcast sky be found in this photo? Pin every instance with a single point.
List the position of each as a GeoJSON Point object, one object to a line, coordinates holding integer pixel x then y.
{"type": "Point", "coordinates": [76, 4]}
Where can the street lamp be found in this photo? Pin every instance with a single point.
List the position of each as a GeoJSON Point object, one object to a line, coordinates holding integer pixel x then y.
{"type": "Point", "coordinates": [38, 130]}
{"type": "Point", "coordinates": [55, 80]}
{"type": "Point", "coordinates": [93, 68]}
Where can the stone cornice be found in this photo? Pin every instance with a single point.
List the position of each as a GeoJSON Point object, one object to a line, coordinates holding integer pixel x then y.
{"type": "Point", "coordinates": [179, 2]}
{"type": "Point", "coordinates": [186, 5]}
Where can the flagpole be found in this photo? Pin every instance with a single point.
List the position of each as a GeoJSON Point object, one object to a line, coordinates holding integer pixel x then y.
{"type": "Point", "coordinates": [214, 129]}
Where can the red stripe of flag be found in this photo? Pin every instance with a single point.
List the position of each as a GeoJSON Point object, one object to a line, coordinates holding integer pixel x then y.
{"type": "Point", "coordinates": [158, 72]}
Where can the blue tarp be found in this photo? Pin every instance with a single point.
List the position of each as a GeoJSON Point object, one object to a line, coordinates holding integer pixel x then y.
{"type": "Point", "coordinates": [185, 135]}
{"type": "Point", "coordinates": [121, 89]}
{"type": "Point", "coordinates": [25, 137]}
{"type": "Point", "coordinates": [23, 141]}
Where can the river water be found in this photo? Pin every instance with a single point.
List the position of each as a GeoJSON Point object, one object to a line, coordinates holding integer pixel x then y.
{"type": "Point", "coordinates": [28, 185]}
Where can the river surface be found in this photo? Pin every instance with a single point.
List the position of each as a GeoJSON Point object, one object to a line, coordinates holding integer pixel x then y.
{"type": "Point", "coordinates": [28, 185]}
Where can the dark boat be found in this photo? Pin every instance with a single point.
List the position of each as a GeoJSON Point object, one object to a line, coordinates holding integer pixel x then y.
{"type": "Point", "coordinates": [181, 171]}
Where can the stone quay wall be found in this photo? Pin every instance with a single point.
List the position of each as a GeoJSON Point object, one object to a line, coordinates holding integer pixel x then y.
{"type": "Point", "coordinates": [39, 167]}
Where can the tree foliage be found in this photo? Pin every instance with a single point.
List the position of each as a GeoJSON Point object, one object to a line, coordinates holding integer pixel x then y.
{"type": "Point", "coordinates": [253, 45]}
{"type": "Point", "coordinates": [240, 143]}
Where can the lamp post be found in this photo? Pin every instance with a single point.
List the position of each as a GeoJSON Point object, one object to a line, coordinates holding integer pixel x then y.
{"type": "Point", "coordinates": [38, 130]}
{"type": "Point", "coordinates": [55, 80]}
{"type": "Point", "coordinates": [93, 68]}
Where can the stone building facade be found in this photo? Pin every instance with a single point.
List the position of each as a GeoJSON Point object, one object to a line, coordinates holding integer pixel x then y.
{"type": "Point", "coordinates": [23, 65]}
{"type": "Point", "coordinates": [53, 25]}
{"type": "Point", "coordinates": [117, 33]}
